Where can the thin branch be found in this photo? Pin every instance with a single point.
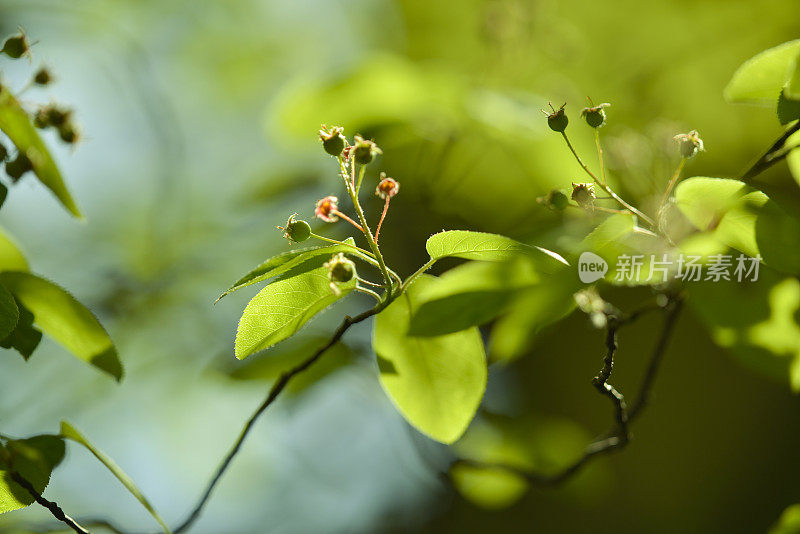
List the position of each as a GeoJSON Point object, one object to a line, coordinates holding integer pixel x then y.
{"type": "Point", "coordinates": [773, 154]}
{"type": "Point", "coordinates": [619, 436]}
{"type": "Point", "coordinates": [54, 508]}
{"type": "Point", "coordinates": [276, 390]}
{"type": "Point", "coordinates": [383, 216]}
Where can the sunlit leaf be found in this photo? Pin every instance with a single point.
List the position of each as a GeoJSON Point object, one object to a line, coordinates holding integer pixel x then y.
{"type": "Point", "coordinates": [70, 432]}
{"type": "Point", "coordinates": [789, 522]}
{"type": "Point", "coordinates": [532, 310]}
{"type": "Point", "coordinates": [11, 259]}
{"type": "Point", "coordinates": [486, 247]}
{"type": "Point", "coordinates": [436, 383]}
{"type": "Point", "coordinates": [65, 319]}
{"type": "Point", "coordinates": [282, 308]}
{"type": "Point", "coordinates": [469, 295]}
{"type": "Point", "coordinates": [16, 124]}
{"type": "Point", "coordinates": [743, 218]}
{"type": "Point", "coordinates": [286, 261]}
{"type": "Point", "coordinates": [760, 79]}
{"type": "Point", "coordinates": [792, 89]}
{"type": "Point", "coordinates": [788, 109]}
{"type": "Point", "coordinates": [34, 459]}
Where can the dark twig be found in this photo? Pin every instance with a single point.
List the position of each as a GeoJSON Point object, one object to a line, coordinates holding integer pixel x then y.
{"type": "Point", "coordinates": [773, 155]}
{"type": "Point", "coordinates": [619, 436]}
{"type": "Point", "coordinates": [276, 390]}
{"type": "Point", "coordinates": [54, 508]}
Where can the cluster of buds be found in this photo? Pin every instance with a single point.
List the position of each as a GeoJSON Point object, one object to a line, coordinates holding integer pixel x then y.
{"type": "Point", "coordinates": [690, 144]}
{"type": "Point", "coordinates": [583, 195]}
{"type": "Point", "coordinates": [61, 119]}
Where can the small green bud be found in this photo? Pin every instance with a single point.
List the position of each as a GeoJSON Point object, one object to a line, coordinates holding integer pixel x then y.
{"type": "Point", "coordinates": [555, 200]}
{"type": "Point", "coordinates": [595, 116]}
{"type": "Point", "coordinates": [18, 166]}
{"type": "Point", "coordinates": [340, 271]}
{"type": "Point", "coordinates": [42, 77]}
{"type": "Point", "coordinates": [364, 151]}
{"type": "Point", "coordinates": [583, 194]}
{"type": "Point", "coordinates": [68, 133]}
{"type": "Point", "coordinates": [16, 46]}
{"type": "Point", "coordinates": [557, 120]}
{"type": "Point", "coordinates": [296, 230]}
{"type": "Point", "coordinates": [332, 140]}
{"type": "Point", "coordinates": [52, 115]}
{"type": "Point", "coordinates": [690, 144]}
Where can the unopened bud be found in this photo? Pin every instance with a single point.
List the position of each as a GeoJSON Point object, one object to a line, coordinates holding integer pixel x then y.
{"type": "Point", "coordinates": [296, 230]}
{"type": "Point", "coordinates": [326, 209]}
{"type": "Point", "coordinates": [583, 194]}
{"type": "Point", "coordinates": [42, 77]}
{"type": "Point", "coordinates": [557, 120]}
{"type": "Point", "coordinates": [690, 144]}
{"type": "Point", "coordinates": [332, 140]}
{"type": "Point", "coordinates": [595, 115]}
{"type": "Point", "coordinates": [340, 271]}
{"type": "Point", "coordinates": [364, 151]}
{"type": "Point", "coordinates": [16, 46]}
{"type": "Point", "coordinates": [387, 187]}
{"type": "Point", "coordinates": [18, 166]}
{"type": "Point", "coordinates": [555, 200]}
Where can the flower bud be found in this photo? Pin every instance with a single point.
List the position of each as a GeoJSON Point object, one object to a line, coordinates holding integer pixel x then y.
{"type": "Point", "coordinates": [68, 133]}
{"type": "Point", "coordinates": [583, 194]}
{"type": "Point", "coordinates": [557, 120]}
{"type": "Point", "coordinates": [296, 230]}
{"type": "Point", "coordinates": [18, 166]}
{"type": "Point", "coordinates": [555, 200]}
{"type": "Point", "coordinates": [16, 46]}
{"type": "Point", "coordinates": [387, 187]}
{"type": "Point", "coordinates": [52, 115]}
{"type": "Point", "coordinates": [340, 269]}
{"type": "Point", "coordinates": [326, 209]}
{"type": "Point", "coordinates": [595, 115]}
{"type": "Point", "coordinates": [690, 144]}
{"type": "Point", "coordinates": [332, 140]}
{"type": "Point", "coordinates": [364, 151]}
{"type": "Point", "coordinates": [42, 77]}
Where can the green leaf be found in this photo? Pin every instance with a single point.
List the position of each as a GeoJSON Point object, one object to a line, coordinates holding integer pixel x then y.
{"type": "Point", "coordinates": [34, 459]}
{"type": "Point", "coordinates": [793, 158]}
{"type": "Point", "coordinates": [17, 126]}
{"type": "Point", "coordinates": [65, 319]}
{"type": "Point", "coordinates": [480, 246]}
{"type": "Point", "coordinates": [788, 109]}
{"type": "Point", "coordinates": [532, 310]}
{"type": "Point", "coordinates": [24, 338]}
{"type": "Point", "coordinates": [792, 89]}
{"type": "Point", "coordinates": [289, 354]}
{"type": "Point", "coordinates": [789, 522]}
{"type": "Point", "coordinates": [287, 261]}
{"type": "Point", "coordinates": [469, 295]}
{"type": "Point", "coordinates": [543, 445]}
{"type": "Point", "coordinates": [282, 308]}
{"type": "Point", "coordinates": [11, 259]}
{"type": "Point", "coordinates": [436, 383]}
{"type": "Point", "coordinates": [755, 321]}
{"type": "Point", "coordinates": [742, 218]}
{"type": "Point", "coordinates": [9, 313]}
{"type": "Point", "coordinates": [760, 79]}
{"type": "Point", "coordinates": [70, 432]}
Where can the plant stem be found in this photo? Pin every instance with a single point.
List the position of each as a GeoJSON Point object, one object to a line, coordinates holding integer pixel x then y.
{"type": "Point", "coordinates": [276, 390]}
{"type": "Point", "coordinates": [361, 173]}
{"type": "Point", "coordinates": [603, 186]}
{"type": "Point", "coordinates": [329, 240]}
{"type": "Point", "coordinates": [418, 272]}
{"type": "Point", "coordinates": [771, 156]}
{"type": "Point", "coordinates": [600, 155]}
{"type": "Point", "coordinates": [383, 216]}
{"type": "Point", "coordinates": [54, 508]}
{"type": "Point", "coordinates": [348, 219]}
{"type": "Point", "coordinates": [365, 255]}
{"type": "Point", "coordinates": [367, 291]}
{"type": "Point", "coordinates": [676, 175]}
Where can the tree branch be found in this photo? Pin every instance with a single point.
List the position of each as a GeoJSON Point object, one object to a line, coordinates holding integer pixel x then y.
{"type": "Point", "coordinates": [619, 436]}
{"type": "Point", "coordinates": [276, 390]}
{"type": "Point", "coordinates": [54, 508]}
{"type": "Point", "coordinates": [773, 155]}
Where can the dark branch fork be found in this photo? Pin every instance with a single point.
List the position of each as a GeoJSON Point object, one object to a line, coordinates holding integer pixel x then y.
{"type": "Point", "coordinates": [619, 436]}
{"type": "Point", "coordinates": [54, 509]}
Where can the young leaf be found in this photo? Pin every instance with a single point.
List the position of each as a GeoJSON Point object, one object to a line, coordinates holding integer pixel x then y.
{"type": "Point", "coordinates": [286, 261]}
{"type": "Point", "coordinates": [473, 246]}
{"type": "Point", "coordinates": [34, 459]}
{"type": "Point", "coordinates": [25, 337]}
{"type": "Point", "coordinates": [16, 124]}
{"type": "Point", "coordinates": [760, 79]}
{"type": "Point", "coordinates": [11, 259]}
{"type": "Point", "coordinates": [70, 432]}
{"type": "Point", "coordinates": [65, 319]}
{"type": "Point", "coordinates": [436, 383]}
{"type": "Point", "coordinates": [469, 295]}
{"type": "Point", "coordinates": [9, 313]}
{"type": "Point", "coordinates": [282, 308]}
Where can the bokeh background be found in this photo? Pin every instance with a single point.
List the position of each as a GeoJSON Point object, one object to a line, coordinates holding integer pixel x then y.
{"type": "Point", "coordinates": [200, 124]}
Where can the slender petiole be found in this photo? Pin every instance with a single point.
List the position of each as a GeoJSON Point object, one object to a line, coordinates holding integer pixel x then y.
{"type": "Point", "coordinates": [348, 219]}
{"type": "Point", "coordinates": [369, 292]}
{"type": "Point", "coordinates": [334, 241]}
{"type": "Point", "coordinates": [368, 282]}
{"type": "Point", "coordinates": [603, 186]}
{"type": "Point", "coordinates": [383, 216]}
{"type": "Point", "coordinates": [600, 155]}
{"type": "Point", "coordinates": [361, 173]}
{"type": "Point", "coordinates": [671, 184]}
